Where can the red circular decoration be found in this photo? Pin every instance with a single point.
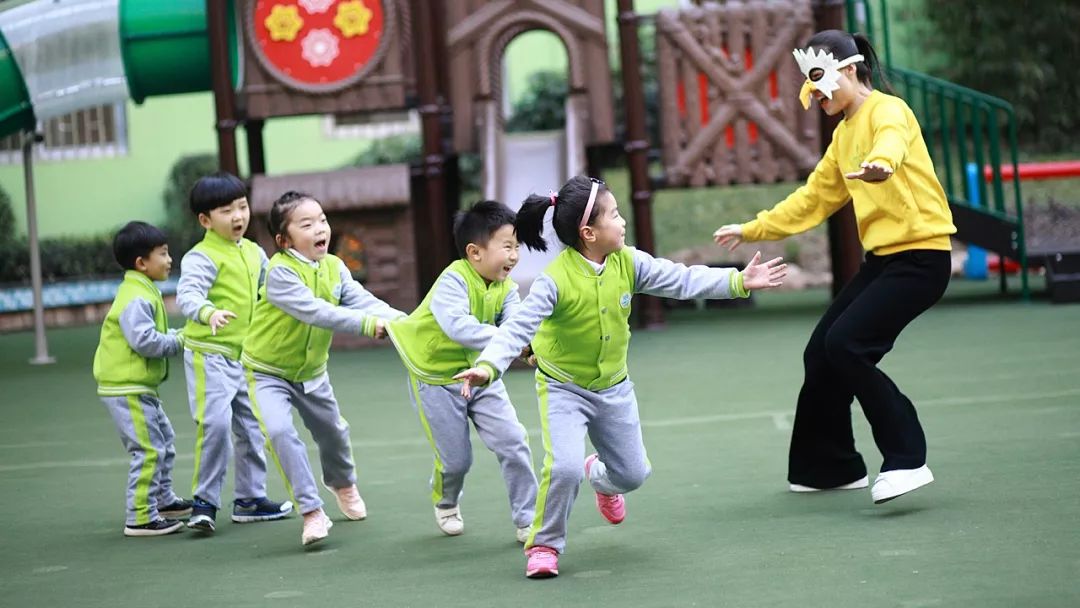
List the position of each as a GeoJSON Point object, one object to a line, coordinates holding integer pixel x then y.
{"type": "Point", "coordinates": [318, 45]}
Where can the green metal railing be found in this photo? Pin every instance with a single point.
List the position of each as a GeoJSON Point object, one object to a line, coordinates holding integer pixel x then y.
{"type": "Point", "coordinates": [960, 126]}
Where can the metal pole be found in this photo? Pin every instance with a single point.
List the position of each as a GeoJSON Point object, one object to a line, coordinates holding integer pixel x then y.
{"type": "Point", "coordinates": [41, 347]}
{"type": "Point", "coordinates": [637, 147]}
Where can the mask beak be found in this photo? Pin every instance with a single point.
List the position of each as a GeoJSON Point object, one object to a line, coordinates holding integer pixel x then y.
{"type": "Point", "coordinates": [804, 94]}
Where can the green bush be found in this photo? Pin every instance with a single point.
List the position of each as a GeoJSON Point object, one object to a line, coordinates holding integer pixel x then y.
{"type": "Point", "coordinates": [7, 217]}
{"type": "Point", "coordinates": [408, 149]}
{"type": "Point", "coordinates": [1024, 55]}
{"type": "Point", "coordinates": [390, 150]}
{"type": "Point", "coordinates": [181, 225]}
{"type": "Point", "coordinates": [543, 106]}
{"type": "Point", "coordinates": [62, 258]}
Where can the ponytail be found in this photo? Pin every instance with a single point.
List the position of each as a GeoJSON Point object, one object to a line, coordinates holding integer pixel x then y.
{"type": "Point", "coordinates": [569, 207]}
{"type": "Point", "coordinates": [529, 225]}
{"type": "Point", "coordinates": [870, 65]}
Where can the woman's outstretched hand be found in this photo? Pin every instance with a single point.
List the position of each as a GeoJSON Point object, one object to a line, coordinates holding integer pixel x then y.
{"type": "Point", "coordinates": [871, 173]}
{"type": "Point", "coordinates": [764, 276]}
{"type": "Point", "coordinates": [729, 236]}
{"type": "Point", "coordinates": [473, 376]}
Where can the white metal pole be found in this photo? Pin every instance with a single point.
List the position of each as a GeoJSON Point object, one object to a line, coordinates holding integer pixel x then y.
{"type": "Point", "coordinates": [41, 347]}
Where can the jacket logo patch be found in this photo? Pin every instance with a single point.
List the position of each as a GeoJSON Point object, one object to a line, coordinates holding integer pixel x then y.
{"type": "Point", "coordinates": [337, 291]}
{"type": "Point", "coordinates": [624, 300]}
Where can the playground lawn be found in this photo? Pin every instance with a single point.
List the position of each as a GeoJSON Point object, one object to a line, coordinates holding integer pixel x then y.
{"type": "Point", "coordinates": [997, 385]}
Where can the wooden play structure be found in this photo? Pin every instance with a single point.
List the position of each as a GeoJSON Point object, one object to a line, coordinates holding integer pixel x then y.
{"type": "Point", "coordinates": [729, 109]}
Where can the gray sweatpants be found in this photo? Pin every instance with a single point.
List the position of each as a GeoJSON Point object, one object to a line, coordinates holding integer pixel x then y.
{"type": "Point", "coordinates": [445, 416]}
{"type": "Point", "coordinates": [218, 397]}
{"type": "Point", "coordinates": [147, 435]}
{"type": "Point", "coordinates": [567, 413]}
{"type": "Point", "coordinates": [273, 399]}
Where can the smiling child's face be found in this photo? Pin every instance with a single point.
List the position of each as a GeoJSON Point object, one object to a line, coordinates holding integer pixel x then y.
{"type": "Point", "coordinates": [308, 232]}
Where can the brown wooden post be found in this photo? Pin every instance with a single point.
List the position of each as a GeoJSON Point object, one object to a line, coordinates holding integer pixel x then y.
{"type": "Point", "coordinates": [845, 250]}
{"type": "Point", "coordinates": [217, 24]}
{"type": "Point", "coordinates": [637, 148]}
{"type": "Point", "coordinates": [434, 247]}
{"type": "Point", "coordinates": [256, 152]}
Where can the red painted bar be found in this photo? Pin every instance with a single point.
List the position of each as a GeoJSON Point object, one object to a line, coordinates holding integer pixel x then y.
{"type": "Point", "coordinates": [1046, 170]}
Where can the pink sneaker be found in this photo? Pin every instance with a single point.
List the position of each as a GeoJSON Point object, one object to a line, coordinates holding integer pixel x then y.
{"type": "Point", "coordinates": [316, 527]}
{"type": "Point", "coordinates": [611, 506]}
{"type": "Point", "coordinates": [543, 562]}
{"type": "Point", "coordinates": [350, 503]}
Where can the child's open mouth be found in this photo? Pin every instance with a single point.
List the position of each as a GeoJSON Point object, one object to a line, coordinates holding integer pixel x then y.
{"type": "Point", "coordinates": [321, 244]}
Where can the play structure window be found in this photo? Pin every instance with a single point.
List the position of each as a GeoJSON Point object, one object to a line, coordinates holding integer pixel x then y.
{"type": "Point", "coordinates": [96, 132]}
{"type": "Point", "coordinates": [372, 125]}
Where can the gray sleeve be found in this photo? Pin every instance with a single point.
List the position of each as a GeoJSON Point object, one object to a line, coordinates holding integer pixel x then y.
{"type": "Point", "coordinates": [285, 290]}
{"type": "Point", "coordinates": [197, 274]}
{"type": "Point", "coordinates": [263, 263]}
{"type": "Point", "coordinates": [137, 323]}
{"type": "Point", "coordinates": [510, 306]}
{"type": "Point", "coordinates": [660, 277]}
{"type": "Point", "coordinates": [355, 297]}
{"type": "Point", "coordinates": [450, 306]}
{"type": "Point", "coordinates": [519, 330]}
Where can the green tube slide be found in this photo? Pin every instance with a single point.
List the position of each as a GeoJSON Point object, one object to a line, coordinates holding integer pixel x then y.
{"type": "Point", "coordinates": [15, 111]}
{"type": "Point", "coordinates": [164, 48]}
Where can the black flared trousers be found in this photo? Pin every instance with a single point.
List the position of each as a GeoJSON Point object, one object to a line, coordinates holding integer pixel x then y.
{"type": "Point", "coordinates": [840, 364]}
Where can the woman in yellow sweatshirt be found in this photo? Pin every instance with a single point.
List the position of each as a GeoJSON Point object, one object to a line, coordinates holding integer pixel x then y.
{"type": "Point", "coordinates": [879, 160]}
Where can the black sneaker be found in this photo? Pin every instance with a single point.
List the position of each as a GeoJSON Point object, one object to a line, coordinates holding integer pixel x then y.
{"type": "Point", "coordinates": [181, 507]}
{"type": "Point", "coordinates": [260, 509]}
{"type": "Point", "coordinates": [158, 527]}
{"type": "Point", "coordinates": [202, 516]}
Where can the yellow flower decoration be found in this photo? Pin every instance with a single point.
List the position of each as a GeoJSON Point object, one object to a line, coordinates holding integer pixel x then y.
{"type": "Point", "coordinates": [284, 23]}
{"type": "Point", "coordinates": [353, 18]}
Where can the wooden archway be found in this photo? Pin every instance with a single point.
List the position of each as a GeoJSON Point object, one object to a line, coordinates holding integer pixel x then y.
{"type": "Point", "coordinates": [478, 32]}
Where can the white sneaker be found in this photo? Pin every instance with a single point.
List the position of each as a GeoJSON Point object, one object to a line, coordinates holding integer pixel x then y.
{"type": "Point", "coordinates": [449, 521]}
{"type": "Point", "coordinates": [891, 484]}
{"type": "Point", "coordinates": [858, 484]}
{"type": "Point", "coordinates": [316, 527]}
{"type": "Point", "coordinates": [522, 534]}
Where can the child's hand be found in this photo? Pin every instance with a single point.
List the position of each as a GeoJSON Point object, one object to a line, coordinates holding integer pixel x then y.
{"type": "Point", "coordinates": [764, 276]}
{"type": "Point", "coordinates": [219, 319]}
{"type": "Point", "coordinates": [871, 172]}
{"type": "Point", "coordinates": [527, 355]}
{"type": "Point", "coordinates": [729, 236]}
{"type": "Point", "coordinates": [380, 329]}
{"type": "Point", "coordinates": [474, 375]}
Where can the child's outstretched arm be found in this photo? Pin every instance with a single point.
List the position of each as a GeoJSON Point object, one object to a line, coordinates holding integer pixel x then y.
{"type": "Point", "coordinates": [512, 336]}
{"type": "Point", "coordinates": [661, 277]}
{"type": "Point", "coordinates": [137, 323]}
{"type": "Point", "coordinates": [287, 291]}
{"type": "Point", "coordinates": [197, 275]}
{"type": "Point", "coordinates": [355, 297]}
{"type": "Point", "coordinates": [450, 307]}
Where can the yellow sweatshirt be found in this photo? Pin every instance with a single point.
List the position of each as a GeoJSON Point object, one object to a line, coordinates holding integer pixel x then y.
{"type": "Point", "coordinates": [906, 211]}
